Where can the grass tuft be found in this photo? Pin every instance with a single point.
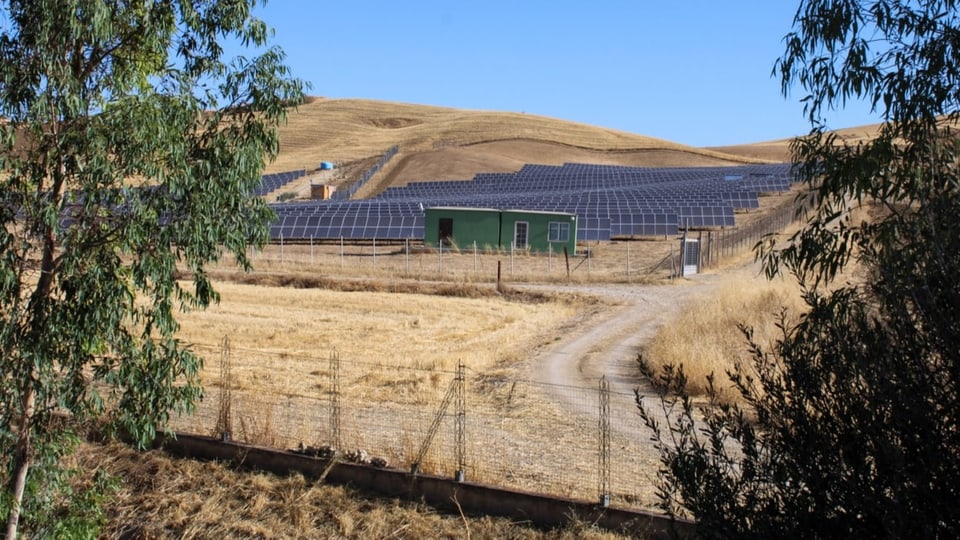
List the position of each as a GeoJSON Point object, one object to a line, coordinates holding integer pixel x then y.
{"type": "Point", "coordinates": [706, 338]}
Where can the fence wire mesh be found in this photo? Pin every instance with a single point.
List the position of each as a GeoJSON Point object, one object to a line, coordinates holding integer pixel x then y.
{"type": "Point", "coordinates": [513, 433]}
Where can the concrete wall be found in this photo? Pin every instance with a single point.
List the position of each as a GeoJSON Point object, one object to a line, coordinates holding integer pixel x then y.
{"type": "Point", "coordinates": [437, 491]}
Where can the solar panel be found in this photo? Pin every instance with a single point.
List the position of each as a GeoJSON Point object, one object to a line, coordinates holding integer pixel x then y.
{"type": "Point", "coordinates": [273, 182]}
{"type": "Point", "coordinates": [609, 200]}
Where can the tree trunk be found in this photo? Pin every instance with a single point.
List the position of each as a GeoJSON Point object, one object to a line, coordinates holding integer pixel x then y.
{"type": "Point", "coordinates": [23, 459]}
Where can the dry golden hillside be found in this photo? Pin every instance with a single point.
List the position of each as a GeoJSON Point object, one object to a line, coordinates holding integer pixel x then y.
{"type": "Point", "coordinates": [779, 150]}
{"type": "Point", "coordinates": [439, 143]}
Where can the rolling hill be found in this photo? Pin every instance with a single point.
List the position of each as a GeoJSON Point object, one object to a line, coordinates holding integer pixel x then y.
{"type": "Point", "coordinates": [438, 143]}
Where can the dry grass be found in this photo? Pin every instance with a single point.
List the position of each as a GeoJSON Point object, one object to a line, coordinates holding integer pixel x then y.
{"type": "Point", "coordinates": [438, 143]}
{"type": "Point", "coordinates": [354, 129]}
{"type": "Point", "coordinates": [390, 266]}
{"type": "Point", "coordinates": [425, 332]}
{"type": "Point", "coordinates": [164, 497]}
{"type": "Point", "coordinates": [706, 338]}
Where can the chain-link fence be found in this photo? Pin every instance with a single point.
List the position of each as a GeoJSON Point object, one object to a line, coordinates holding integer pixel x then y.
{"type": "Point", "coordinates": [618, 261]}
{"type": "Point", "coordinates": [582, 443]}
{"type": "Point", "coordinates": [718, 245]}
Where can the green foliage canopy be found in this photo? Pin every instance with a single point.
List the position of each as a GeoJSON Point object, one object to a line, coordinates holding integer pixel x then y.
{"type": "Point", "coordinates": [129, 149]}
{"type": "Point", "coordinates": [848, 425]}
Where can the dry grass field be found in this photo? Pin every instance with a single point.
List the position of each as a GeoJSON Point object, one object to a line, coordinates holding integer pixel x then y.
{"type": "Point", "coordinates": [164, 497]}
{"type": "Point", "coordinates": [419, 330]}
{"type": "Point", "coordinates": [438, 143]}
{"type": "Point", "coordinates": [419, 311]}
{"type": "Point", "coordinates": [348, 130]}
{"type": "Point", "coordinates": [706, 339]}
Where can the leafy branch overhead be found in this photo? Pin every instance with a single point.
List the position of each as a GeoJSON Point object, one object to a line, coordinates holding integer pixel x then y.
{"type": "Point", "coordinates": [847, 425]}
{"type": "Point", "coordinates": [130, 147]}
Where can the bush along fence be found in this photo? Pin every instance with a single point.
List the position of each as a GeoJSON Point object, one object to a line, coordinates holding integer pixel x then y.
{"type": "Point", "coordinates": [366, 176]}
{"type": "Point", "coordinates": [578, 443]}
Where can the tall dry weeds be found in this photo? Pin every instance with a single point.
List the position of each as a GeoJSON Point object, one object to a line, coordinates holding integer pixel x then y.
{"type": "Point", "coordinates": [164, 497]}
{"type": "Point", "coordinates": [706, 337]}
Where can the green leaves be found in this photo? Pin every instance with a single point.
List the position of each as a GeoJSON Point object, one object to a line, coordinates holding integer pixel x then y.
{"type": "Point", "coordinates": [848, 424]}
{"type": "Point", "coordinates": [119, 170]}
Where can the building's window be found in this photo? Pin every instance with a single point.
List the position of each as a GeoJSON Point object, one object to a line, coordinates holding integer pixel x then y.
{"type": "Point", "coordinates": [559, 232]}
{"type": "Point", "coordinates": [520, 231]}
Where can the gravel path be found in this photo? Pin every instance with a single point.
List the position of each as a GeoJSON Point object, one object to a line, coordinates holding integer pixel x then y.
{"type": "Point", "coordinates": [607, 344]}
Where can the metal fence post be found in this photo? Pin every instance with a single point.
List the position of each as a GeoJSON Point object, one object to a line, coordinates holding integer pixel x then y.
{"type": "Point", "coordinates": [603, 483]}
{"type": "Point", "coordinates": [460, 426]}
{"type": "Point", "coordinates": [335, 399]}
{"type": "Point", "coordinates": [628, 261]}
{"type": "Point", "coordinates": [224, 419]}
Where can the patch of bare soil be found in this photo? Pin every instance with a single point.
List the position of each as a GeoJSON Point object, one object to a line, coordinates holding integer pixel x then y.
{"type": "Point", "coordinates": [394, 122]}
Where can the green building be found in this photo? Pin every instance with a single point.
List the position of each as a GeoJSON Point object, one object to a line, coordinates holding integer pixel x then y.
{"type": "Point", "coordinates": [526, 230]}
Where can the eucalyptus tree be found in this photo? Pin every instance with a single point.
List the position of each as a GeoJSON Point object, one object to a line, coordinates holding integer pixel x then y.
{"type": "Point", "coordinates": [849, 425]}
{"type": "Point", "coordinates": [129, 150]}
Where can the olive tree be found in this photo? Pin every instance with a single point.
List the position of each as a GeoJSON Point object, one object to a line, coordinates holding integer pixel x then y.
{"type": "Point", "coordinates": [849, 424]}
{"type": "Point", "coordinates": [130, 146]}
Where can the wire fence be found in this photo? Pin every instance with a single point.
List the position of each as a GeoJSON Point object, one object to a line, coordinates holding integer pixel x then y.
{"type": "Point", "coordinates": [367, 175]}
{"type": "Point", "coordinates": [718, 245]}
{"type": "Point", "coordinates": [582, 443]}
{"type": "Point", "coordinates": [620, 260]}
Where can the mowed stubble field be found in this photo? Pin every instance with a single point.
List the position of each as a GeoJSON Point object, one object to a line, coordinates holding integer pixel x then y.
{"type": "Point", "coordinates": [409, 329]}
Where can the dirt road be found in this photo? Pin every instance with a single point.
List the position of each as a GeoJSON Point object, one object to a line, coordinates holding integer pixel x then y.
{"type": "Point", "coordinates": [607, 344]}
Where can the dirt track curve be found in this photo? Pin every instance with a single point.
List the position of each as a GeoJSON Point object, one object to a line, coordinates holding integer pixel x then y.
{"type": "Point", "coordinates": [607, 344]}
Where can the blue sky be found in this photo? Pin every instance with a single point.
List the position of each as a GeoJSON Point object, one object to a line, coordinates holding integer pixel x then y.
{"type": "Point", "coordinates": [694, 72]}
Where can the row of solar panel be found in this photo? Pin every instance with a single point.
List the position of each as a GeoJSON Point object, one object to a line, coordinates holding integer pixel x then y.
{"type": "Point", "coordinates": [690, 214]}
{"type": "Point", "coordinates": [744, 194]}
{"type": "Point", "coordinates": [635, 194]}
{"type": "Point", "coordinates": [356, 226]}
{"type": "Point", "coordinates": [273, 182]}
{"type": "Point", "coordinates": [349, 219]}
{"type": "Point", "coordinates": [347, 226]}
{"type": "Point", "coordinates": [624, 223]}
{"type": "Point", "coordinates": [537, 178]}
{"type": "Point", "coordinates": [401, 233]}
{"type": "Point", "coordinates": [359, 232]}
{"type": "Point", "coordinates": [676, 198]}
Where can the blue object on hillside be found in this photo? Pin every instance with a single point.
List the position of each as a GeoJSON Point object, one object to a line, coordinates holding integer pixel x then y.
{"type": "Point", "coordinates": [326, 166]}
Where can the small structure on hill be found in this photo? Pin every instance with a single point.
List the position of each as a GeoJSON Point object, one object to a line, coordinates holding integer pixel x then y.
{"type": "Point", "coordinates": [487, 228]}
{"type": "Point", "coordinates": [326, 166]}
{"type": "Point", "coordinates": [322, 191]}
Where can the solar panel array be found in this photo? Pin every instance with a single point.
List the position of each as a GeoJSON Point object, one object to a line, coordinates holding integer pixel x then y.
{"type": "Point", "coordinates": [610, 201]}
{"type": "Point", "coordinates": [272, 182]}
{"type": "Point", "coordinates": [360, 219]}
